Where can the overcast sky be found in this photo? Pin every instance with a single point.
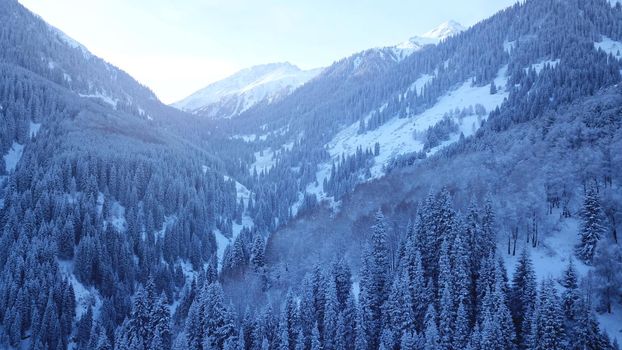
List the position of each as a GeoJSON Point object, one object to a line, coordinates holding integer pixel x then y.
{"type": "Point", "coordinates": [179, 46]}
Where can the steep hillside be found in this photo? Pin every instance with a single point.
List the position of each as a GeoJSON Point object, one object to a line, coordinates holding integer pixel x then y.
{"type": "Point", "coordinates": [458, 193]}
{"type": "Point", "coordinates": [364, 113]}
{"type": "Point", "coordinates": [101, 186]}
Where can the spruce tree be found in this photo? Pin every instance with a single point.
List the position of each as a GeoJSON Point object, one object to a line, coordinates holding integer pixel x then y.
{"type": "Point", "coordinates": [593, 226]}
{"type": "Point", "coordinates": [315, 339]}
{"type": "Point", "coordinates": [522, 296]}
{"type": "Point", "coordinates": [548, 331]}
{"type": "Point", "coordinates": [431, 334]}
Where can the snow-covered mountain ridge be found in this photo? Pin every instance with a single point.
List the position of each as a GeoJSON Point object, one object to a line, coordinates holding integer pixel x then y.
{"type": "Point", "coordinates": [432, 37]}
{"type": "Point", "coordinates": [236, 94]}
{"type": "Point", "coordinates": [231, 96]}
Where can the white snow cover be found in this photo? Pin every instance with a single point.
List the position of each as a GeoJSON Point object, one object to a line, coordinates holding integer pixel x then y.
{"type": "Point", "coordinates": [433, 37]}
{"type": "Point", "coordinates": [508, 46]}
{"type": "Point", "coordinates": [540, 65]}
{"type": "Point", "coordinates": [250, 86]}
{"type": "Point", "coordinates": [85, 296]}
{"type": "Point", "coordinates": [265, 161]}
{"type": "Point", "coordinates": [105, 98]}
{"type": "Point", "coordinates": [551, 257]}
{"type": "Point", "coordinates": [418, 85]}
{"type": "Point", "coordinates": [13, 156]}
{"type": "Point", "coordinates": [34, 129]}
{"type": "Point", "coordinates": [221, 240]}
{"type": "Point", "coordinates": [610, 46]}
{"type": "Point", "coordinates": [396, 136]}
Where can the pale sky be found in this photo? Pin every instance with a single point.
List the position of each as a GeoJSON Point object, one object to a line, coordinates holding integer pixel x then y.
{"type": "Point", "coordinates": [176, 47]}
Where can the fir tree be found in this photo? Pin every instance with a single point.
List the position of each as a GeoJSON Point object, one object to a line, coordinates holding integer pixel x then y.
{"type": "Point", "coordinates": [432, 338]}
{"type": "Point", "coordinates": [523, 296]}
{"type": "Point", "coordinates": [548, 329]}
{"type": "Point", "coordinates": [592, 226]}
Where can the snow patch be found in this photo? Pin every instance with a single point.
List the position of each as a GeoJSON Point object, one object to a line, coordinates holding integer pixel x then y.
{"type": "Point", "coordinates": [85, 296]}
{"type": "Point", "coordinates": [169, 221]}
{"type": "Point", "coordinates": [538, 67]}
{"type": "Point", "coordinates": [34, 129]}
{"type": "Point", "coordinates": [357, 62]}
{"type": "Point", "coordinates": [418, 85]}
{"type": "Point", "coordinates": [13, 156]}
{"type": "Point", "coordinates": [612, 323]}
{"type": "Point", "coordinates": [317, 188]}
{"type": "Point", "coordinates": [508, 46]}
{"type": "Point", "coordinates": [551, 257]}
{"type": "Point", "coordinates": [221, 244]}
{"type": "Point", "coordinates": [610, 47]}
{"type": "Point", "coordinates": [250, 138]}
{"type": "Point", "coordinates": [264, 162]}
{"type": "Point", "coordinates": [117, 217]}
{"type": "Point", "coordinates": [105, 98]}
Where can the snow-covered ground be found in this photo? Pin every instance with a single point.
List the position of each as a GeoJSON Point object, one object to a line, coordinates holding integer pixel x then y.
{"type": "Point", "coordinates": [538, 67]}
{"type": "Point", "coordinates": [117, 213]}
{"type": "Point", "coordinates": [250, 138]}
{"type": "Point", "coordinates": [34, 129]}
{"type": "Point", "coordinates": [551, 257]}
{"type": "Point", "coordinates": [508, 46]}
{"type": "Point", "coordinates": [85, 296]}
{"type": "Point", "coordinates": [223, 241]}
{"type": "Point", "coordinates": [264, 161]}
{"type": "Point", "coordinates": [610, 46]}
{"type": "Point", "coordinates": [396, 136]}
{"type": "Point", "coordinates": [612, 323]}
{"type": "Point", "coordinates": [13, 156]}
{"type": "Point", "coordinates": [418, 85]}
{"type": "Point", "coordinates": [103, 97]}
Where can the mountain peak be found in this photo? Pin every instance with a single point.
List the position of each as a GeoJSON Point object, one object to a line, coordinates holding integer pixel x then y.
{"type": "Point", "coordinates": [433, 37]}
{"type": "Point", "coordinates": [246, 88]}
{"type": "Point", "coordinates": [444, 30]}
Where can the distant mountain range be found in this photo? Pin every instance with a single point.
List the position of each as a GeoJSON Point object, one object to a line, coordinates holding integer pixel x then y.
{"type": "Point", "coordinates": [268, 83]}
{"type": "Point", "coordinates": [236, 94]}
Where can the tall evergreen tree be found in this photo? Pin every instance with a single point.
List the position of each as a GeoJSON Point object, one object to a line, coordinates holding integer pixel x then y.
{"type": "Point", "coordinates": [523, 297]}
{"type": "Point", "coordinates": [431, 334]}
{"type": "Point", "coordinates": [548, 328]}
{"type": "Point", "coordinates": [593, 226]}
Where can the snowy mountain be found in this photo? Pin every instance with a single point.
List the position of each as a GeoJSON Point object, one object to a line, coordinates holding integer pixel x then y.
{"type": "Point", "coordinates": [432, 37]}
{"type": "Point", "coordinates": [270, 82]}
{"type": "Point", "coordinates": [243, 90]}
{"type": "Point", "coordinates": [467, 195]}
{"type": "Point", "coordinates": [69, 64]}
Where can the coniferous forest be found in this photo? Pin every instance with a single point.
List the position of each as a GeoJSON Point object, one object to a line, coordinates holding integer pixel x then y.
{"type": "Point", "coordinates": [465, 195]}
